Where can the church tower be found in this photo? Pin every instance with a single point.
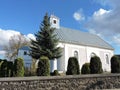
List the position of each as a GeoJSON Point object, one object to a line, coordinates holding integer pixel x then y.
{"type": "Point", "coordinates": [54, 22]}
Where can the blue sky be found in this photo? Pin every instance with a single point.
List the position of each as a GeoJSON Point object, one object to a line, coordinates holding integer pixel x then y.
{"type": "Point", "coordinates": [26, 15]}
{"type": "Point", "coordinates": [100, 17]}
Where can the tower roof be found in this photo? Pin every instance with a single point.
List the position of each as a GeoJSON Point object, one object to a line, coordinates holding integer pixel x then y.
{"type": "Point", "coordinates": [53, 16]}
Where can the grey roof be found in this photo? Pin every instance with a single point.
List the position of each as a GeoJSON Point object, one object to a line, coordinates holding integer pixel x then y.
{"type": "Point", "coordinates": [81, 38]}
{"type": "Point", "coordinates": [25, 48]}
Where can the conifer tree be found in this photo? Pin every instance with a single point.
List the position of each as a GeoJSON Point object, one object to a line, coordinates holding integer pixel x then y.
{"type": "Point", "coordinates": [46, 42]}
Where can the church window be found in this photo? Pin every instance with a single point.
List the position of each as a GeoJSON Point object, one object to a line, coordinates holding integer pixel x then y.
{"type": "Point", "coordinates": [25, 52]}
{"type": "Point", "coordinates": [54, 21]}
{"type": "Point", "coordinates": [107, 59]}
{"type": "Point", "coordinates": [93, 54]}
{"type": "Point", "coordinates": [76, 54]}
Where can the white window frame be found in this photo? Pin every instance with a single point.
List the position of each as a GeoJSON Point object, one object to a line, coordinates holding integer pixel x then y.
{"type": "Point", "coordinates": [92, 54]}
{"type": "Point", "coordinates": [107, 59]}
{"type": "Point", "coordinates": [74, 53]}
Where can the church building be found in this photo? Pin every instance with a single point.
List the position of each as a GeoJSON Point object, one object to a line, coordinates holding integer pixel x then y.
{"type": "Point", "coordinates": [82, 45]}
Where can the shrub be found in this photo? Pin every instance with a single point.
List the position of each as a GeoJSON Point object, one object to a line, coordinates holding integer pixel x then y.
{"type": "Point", "coordinates": [10, 68]}
{"type": "Point", "coordinates": [6, 68]}
{"type": "Point", "coordinates": [85, 68]}
{"type": "Point", "coordinates": [95, 65]}
{"type": "Point", "coordinates": [1, 61]}
{"type": "Point", "coordinates": [73, 66]}
{"type": "Point", "coordinates": [27, 71]}
{"type": "Point", "coordinates": [115, 64]}
{"type": "Point", "coordinates": [3, 69]}
{"type": "Point", "coordinates": [43, 66]}
{"type": "Point", "coordinates": [33, 67]}
{"type": "Point", "coordinates": [55, 73]}
{"type": "Point", "coordinates": [19, 67]}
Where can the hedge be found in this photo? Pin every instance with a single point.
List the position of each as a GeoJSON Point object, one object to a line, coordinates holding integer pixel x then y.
{"type": "Point", "coordinates": [85, 68]}
{"type": "Point", "coordinates": [19, 67]}
{"type": "Point", "coordinates": [43, 66]}
{"type": "Point", "coordinates": [73, 66]}
{"type": "Point", "coordinates": [95, 65]}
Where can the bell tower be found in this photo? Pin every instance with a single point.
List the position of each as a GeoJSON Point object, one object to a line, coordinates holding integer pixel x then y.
{"type": "Point", "coordinates": [54, 22]}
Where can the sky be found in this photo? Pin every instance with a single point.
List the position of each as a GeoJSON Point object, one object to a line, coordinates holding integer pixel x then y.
{"type": "Point", "coordinates": [100, 17]}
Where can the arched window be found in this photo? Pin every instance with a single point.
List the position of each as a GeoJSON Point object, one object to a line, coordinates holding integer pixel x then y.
{"type": "Point", "coordinates": [107, 58]}
{"type": "Point", "coordinates": [76, 54]}
{"type": "Point", "coordinates": [93, 54]}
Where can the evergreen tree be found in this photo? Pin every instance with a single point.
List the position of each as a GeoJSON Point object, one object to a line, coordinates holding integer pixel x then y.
{"type": "Point", "coordinates": [46, 42]}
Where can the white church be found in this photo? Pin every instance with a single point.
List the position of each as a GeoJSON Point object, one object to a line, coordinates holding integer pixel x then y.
{"type": "Point", "coordinates": [82, 45]}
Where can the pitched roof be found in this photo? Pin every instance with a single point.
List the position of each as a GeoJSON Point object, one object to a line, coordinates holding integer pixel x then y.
{"type": "Point", "coordinates": [81, 38]}
{"type": "Point", "coordinates": [25, 48]}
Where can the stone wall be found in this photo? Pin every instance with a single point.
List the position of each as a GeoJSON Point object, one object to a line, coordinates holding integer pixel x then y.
{"type": "Point", "coordinates": [80, 82]}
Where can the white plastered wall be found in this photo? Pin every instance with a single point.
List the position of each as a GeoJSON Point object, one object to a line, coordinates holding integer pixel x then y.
{"type": "Point", "coordinates": [84, 55]}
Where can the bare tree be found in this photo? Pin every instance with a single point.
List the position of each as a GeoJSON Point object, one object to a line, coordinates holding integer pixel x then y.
{"type": "Point", "coordinates": [15, 43]}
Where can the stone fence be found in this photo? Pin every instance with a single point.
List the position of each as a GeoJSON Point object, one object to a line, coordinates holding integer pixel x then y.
{"type": "Point", "coordinates": [78, 82]}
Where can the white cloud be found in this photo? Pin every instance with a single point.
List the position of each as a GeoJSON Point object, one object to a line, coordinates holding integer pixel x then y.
{"type": "Point", "coordinates": [106, 22]}
{"type": "Point", "coordinates": [113, 3]}
{"type": "Point", "coordinates": [78, 16]}
{"type": "Point", "coordinates": [100, 12]}
{"type": "Point", "coordinates": [100, 22]}
{"type": "Point", "coordinates": [6, 34]}
{"type": "Point", "coordinates": [2, 52]}
{"type": "Point", "coordinates": [31, 36]}
{"type": "Point", "coordinates": [116, 39]}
